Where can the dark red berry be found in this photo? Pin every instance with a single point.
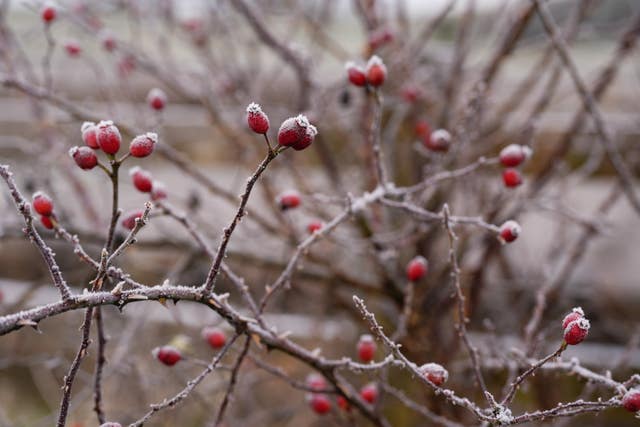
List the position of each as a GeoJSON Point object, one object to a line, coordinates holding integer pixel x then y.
{"type": "Point", "coordinates": [89, 134]}
{"type": "Point", "coordinates": [369, 393]}
{"type": "Point", "coordinates": [142, 179]}
{"type": "Point", "coordinates": [320, 404]}
{"type": "Point", "coordinates": [417, 268]}
{"type": "Point", "coordinates": [511, 178]}
{"type": "Point", "coordinates": [257, 119]}
{"type": "Point", "coordinates": [142, 145]}
{"type": "Point", "coordinates": [48, 13]}
{"type": "Point", "coordinates": [439, 140]}
{"type": "Point", "coordinates": [356, 74]}
{"type": "Point", "coordinates": [47, 222]}
{"type": "Point", "coordinates": [288, 200]}
{"type": "Point", "coordinates": [434, 373]}
{"type": "Point", "coordinates": [129, 219]}
{"type": "Point", "coordinates": [631, 400]}
{"type": "Point", "coordinates": [108, 136]}
{"type": "Point", "coordinates": [513, 155]}
{"type": "Point", "coordinates": [509, 231]}
{"type": "Point", "coordinates": [215, 337]}
{"type": "Point", "coordinates": [366, 348]}
{"type": "Point", "coordinates": [84, 157]}
{"type": "Point", "coordinates": [167, 354]}
{"type": "Point", "coordinates": [576, 331]}
{"type": "Point", "coordinates": [376, 71]}
{"type": "Point", "coordinates": [314, 226]}
{"type": "Point", "coordinates": [42, 203]}
{"type": "Point", "coordinates": [157, 99]}
{"type": "Point", "coordinates": [296, 132]}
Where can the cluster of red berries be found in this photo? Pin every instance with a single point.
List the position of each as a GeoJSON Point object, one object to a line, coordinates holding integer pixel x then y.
{"type": "Point", "coordinates": [511, 157]}
{"type": "Point", "coordinates": [575, 327]}
{"type": "Point", "coordinates": [290, 199]}
{"type": "Point", "coordinates": [320, 402]}
{"type": "Point", "coordinates": [295, 132]}
{"type": "Point", "coordinates": [373, 75]}
{"type": "Point", "coordinates": [43, 205]}
{"type": "Point", "coordinates": [170, 355]}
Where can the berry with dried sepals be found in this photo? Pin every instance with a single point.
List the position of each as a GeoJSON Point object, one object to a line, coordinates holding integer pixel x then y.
{"type": "Point", "coordinates": [356, 74]}
{"type": "Point", "coordinates": [48, 13]}
{"type": "Point", "coordinates": [257, 119]}
{"type": "Point", "coordinates": [417, 268]}
{"type": "Point", "coordinates": [369, 393]}
{"type": "Point", "coordinates": [296, 132]}
{"type": "Point", "coordinates": [157, 99]}
{"type": "Point", "coordinates": [511, 178]}
{"type": "Point", "coordinates": [89, 135]}
{"type": "Point", "coordinates": [435, 373]}
{"type": "Point", "coordinates": [129, 219]}
{"type": "Point", "coordinates": [439, 140]}
{"type": "Point", "coordinates": [108, 137]}
{"type": "Point", "coordinates": [142, 179]}
{"type": "Point", "coordinates": [376, 71]}
{"type": "Point", "coordinates": [158, 191]}
{"type": "Point", "coordinates": [631, 400]}
{"type": "Point", "coordinates": [288, 200]}
{"type": "Point", "coordinates": [320, 403]}
{"type": "Point", "coordinates": [366, 348]}
{"type": "Point", "coordinates": [84, 157]}
{"type": "Point", "coordinates": [42, 203]}
{"type": "Point", "coordinates": [514, 154]}
{"type": "Point", "coordinates": [167, 354]}
{"type": "Point", "coordinates": [215, 337]}
{"type": "Point", "coordinates": [509, 231]}
{"type": "Point", "coordinates": [576, 331]}
{"type": "Point", "coordinates": [46, 222]}
{"type": "Point", "coordinates": [73, 48]}
{"type": "Point", "coordinates": [314, 226]}
{"type": "Point", "coordinates": [316, 382]}
{"type": "Point", "coordinates": [576, 313]}
{"type": "Point", "coordinates": [142, 145]}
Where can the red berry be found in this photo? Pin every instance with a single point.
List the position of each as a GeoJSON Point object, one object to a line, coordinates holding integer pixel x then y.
{"type": "Point", "coordinates": [129, 220]}
{"type": "Point", "coordinates": [511, 178]}
{"type": "Point", "coordinates": [47, 222]}
{"type": "Point", "coordinates": [108, 41]}
{"type": "Point", "coordinates": [142, 145]}
{"type": "Point", "coordinates": [108, 136]}
{"type": "Point", "coordinates": [158, 191]}
{"type": "Point", "coordinates": [509, 231]}
{"type": "Point", "coordinates": [356, 74]}
{"type": "Point", "coordinates": [376, 71]}
{"type": "Point", "coordinates": [366, 348]}
{"type": "Point", "coordinates": [343, 403]}
{"type": "Point", "coordinates": [369, 393]}
{"type": "Point", "coordinates": [84, 157]}
{"type": "Point", "coordinates": [215, 337]}
{"type": "Point", "coordinates": [72, 48]}
{"type": "Point", "coordinates": [314, 226]}
{"type": "Point", "coordinates": [316, 382]}
{"type": "Point", "coordinates": [575, 314]}
{"type": "Point", "coordinates": [296, 132]}
{"type": "Point", "coordinates": [576, 331]}
{"type": "Point", "coordinates": [513, 155]}
{"type": "Point", "coordinates": [288, 200]}
{"type": "Point", "coordinates": [42, 203]}
{"type": "Point", "coordinates": [157, 99]}
{"type": "Point", "coordinates": [631, 400]}
{"type": "Point", "coordinates": [307, 139]}
{"type": "Point", "coordinates": [379, 38]}
{"type": "Point", "coordinates": [434, 373]}
{"type": "Point", "coordinates": [320, 404]}
{"type": "Point", "coordinates": [142, 179]}
{"type": "Point", "coordinates": [439, 140]}
{"type": "Point", "coordinates": [89, 134]}
{"type": "Point", "coordinates": [167, 355]}
{"type": "Point", "coordinates": [417, 268]}
{"type": "Point", "coordinates": [48, 13]}
{"type": "Point", "coordinates": [257, 119]}
{"type": "Point", "coordinates": [422, 129]}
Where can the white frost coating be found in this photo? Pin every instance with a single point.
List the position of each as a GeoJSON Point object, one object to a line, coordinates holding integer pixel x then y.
{"type": "Point", "coordinates": [441, 134]}
{"type": "Point", "coordinates": [366, 338]}
{"type": "Point", "coordinates": [38, 194]}
{"type": "Point", "coordinates": [254, 108]}
{"type": "Point", "coordinates": [375, 60]}
{"type": "Point", "coordinates": [312, 130]}
{"type": "Point", "coordinates": [152, 136]}
{"type": "Point", "coordinates": [434, 368]}
{"type": "Point", "coordinates": [581, 323]}
{"type": "Point", "coordinates": [513, 227]}
{"type": "Point", "coordinates": [528, 152]}
{"type": "Point", "coordinates": [85, 126]}
{"type": "Point", "coordinates": [367, 198]}
{"type": "Point", "coordinates": [134, 170]}
{"type": "Point", "coordinates": [73, 151]}
{"type": "Point", "coordinates": [512, 150]}
{"type": "Point", "coordinates": [503, 415]}
{"type": "Point", "coordinates": [105, 123]}
{"type": "Point", "coordinates": [302, 121]}
{"type": "Point", "coordinates": [578, 310]}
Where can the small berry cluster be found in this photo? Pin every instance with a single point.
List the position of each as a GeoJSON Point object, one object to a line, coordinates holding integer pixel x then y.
{"type": "Point", "coordinates": [371, 76]}
{"type": "Point", "coordinates": [295, 132]}
{"type": "Point", "coordinates": [511, 157]}
{"type": "Point", "coordinates": [320, 402]}
{"type": "Point", "coordinates": [43, 205]}
{"type": "Point", "coordinates": [170, 355]}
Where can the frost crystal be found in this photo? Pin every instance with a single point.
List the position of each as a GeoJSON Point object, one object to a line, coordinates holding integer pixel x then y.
{"type": "Point", "coordinates": [254, 108]}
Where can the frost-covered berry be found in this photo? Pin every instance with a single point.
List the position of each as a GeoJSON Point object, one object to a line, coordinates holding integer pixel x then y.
{"type": "Point", "coordinates": [167, 354]}
{"type": "Point", "coordinates": [320, 403]}
{"type": "Point", "coordinates": [89, 135]}
{"type": "Point", "coordinates": [46, 222]}
{"type": "Point", "coordinates": [142, 145]}
{"type": "Point", "coordinates": [576, 313]}
{"type": "Point", "coordinates": [307, 139]}
{"type": "Point", "coordinates": [417, 268]}
{"type": "Point", "coordinates": [288, 200]}
{"type": "Point", "coordinates": [376, 71]}
{"type": "Point", "coordinates": [435, 373]}
{"type": "Point", "coordinates": [439, 140]}
{"type": "Point", "coordinates": [514, 154]}
{"type": "Point", "coordinates": [257, 119]}
{"type": "Point", "coordinates": [108, 136]}
{"type": "Point", "coordinates": [366, 348]}
{"type": "Point", "coordinates": [369, 393]}
{"type": "Point", "coordinates": [84, 157]}
{"type": "Point", "coordinates": [42, 203]}
{"type": "Point", "coordinates": [48, 13]}
{"type": "Point", "coordinates": [73, 48]}
{"type": "Point", "coordinates": [157, 99]}
{"type": "Point", "coordinates": [576, 331]}
{"type": "Point", "coordinates": [356, 74]}
{"type": "Point", "coordinates": [631, 400]}
{"type": "Point", "coordinates": [314, 226]}
{"type": "Point", "coordinates": [158, 190]}
{"type": "Point", "coordinates": [142, 179]}
{"type": "Point", "coordinates": [215, 337]}
{"type": "Point", "coordinates": [511, 178]}
{"type": "Point", "coordinates": [129, 219]}
{"type": "Point", "coordinates": [509, 231]}
{"type": "Point", "coordinates": [316, 382]}
{"type": "Point", "coordinates": [296, 132]}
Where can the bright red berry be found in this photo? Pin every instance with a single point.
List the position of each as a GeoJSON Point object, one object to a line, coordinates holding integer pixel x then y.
{"type": "Point", "coordinates": [84, 157]}
{"type": "Point", "coordinates": [108, 136]}
{"type": "Point", "coordinates": [376, 71]}
{"type": "Point", "coordinates": [509, 231]}
{"type": "Point", "coordinates": [129, 219]}
{"type": "Point", "coordinates": [366, 348]}
{"type": "Point", "coordinates": [316, 382]}
{"type": "Point", "coordinates": [72, 48]}
{"type": "Point", "coordinates": [575, 314]}
{"type": "Point", "coordinates": [439, 140]}
{"type": "Point", "coordinates": [142, 179]}
{"type": "Point", "coordinates": [47, 222]}
{"type": "Point", "coordinates": [288, 200]}
{"type": "Point", "coordinates": [417, 268]}
{"type": "Point", "coordinates": [42, 203]}
{"type": "Point", "coordinates": [576, 331]}
{"type": "Point", "coordinates": [158, 191]}
{"type": "Point", "coordinates": [257, 119]}
{"type": "Point", "coordinates": [89, 134]}
{"type": "Point", "coordinates": [296, 132]}
{"type": "Point", "coordinates": [422, 129]}
{"type": "Point", "coordinates": [167, 354]}
{"type": "Point", "coordinates": [369, 393]}
{"type": "Point", "coordinates": [142, 145]}
{"type": "Point", "coordinates": [320, 403]}
{"type": "Point", "coordinates": [215, 337]}
{"type": "Point", "coordinates": [356, 74]}
{"type": "Point", "coordinates": [314, 226]}
{"type": "Point", "coordinates": [513, 155]}
{"type": "Point", "coordinates": [434, 373]}
{"type": "Point", "coordinates": [157, 99]}
{"type": "Point", "coordinates": [343, 403]}
{"type": "Point", "coordinates": [48, 13]}
{"type": "Point", "coordinates": [511, 178]}
{"type": "Point", "coordinates": [631, 400]}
